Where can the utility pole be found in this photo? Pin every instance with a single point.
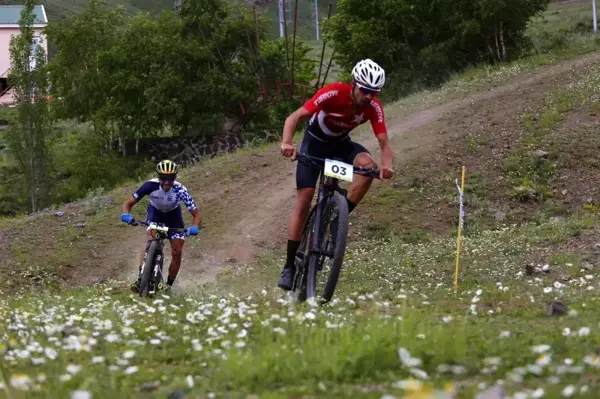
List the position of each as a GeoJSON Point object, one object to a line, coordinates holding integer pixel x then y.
{"type": "Point", "coordinates": [317, 19]}
{"type": "Point", "coordinates": [595, 17]}
{"type": "Point", "coordinates": [281, 18]}
{"type": "Point", "coordinates": [177, 6]}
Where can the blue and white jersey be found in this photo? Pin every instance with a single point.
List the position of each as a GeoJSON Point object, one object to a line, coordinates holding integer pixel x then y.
{"type": "Point", "coordinates": [162, 200]}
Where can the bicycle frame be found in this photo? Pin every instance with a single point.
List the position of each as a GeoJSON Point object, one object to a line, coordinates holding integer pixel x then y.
{"type": "Point", "coordinates": [327, 186]}
{"type": "Point", "coordinates": [161, 235]}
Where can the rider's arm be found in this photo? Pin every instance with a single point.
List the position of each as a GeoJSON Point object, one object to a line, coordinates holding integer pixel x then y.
{"type": "Point", "coordinates": [127, 205]}
{"type": "Point", "coordinates": [320, 99]}
{"type": "Point", "coordinates": [196, 214]}
{"type": "Point", "coordinates": [387, 155]}
{"type": "Point", "coordinates": [291, 123]}
{"type": "Point", "coordinates": [184, 195]}
{"type": "Point", "coordinates": [145, 189]}
{"type": "Point", "coordinates": [377, 117]}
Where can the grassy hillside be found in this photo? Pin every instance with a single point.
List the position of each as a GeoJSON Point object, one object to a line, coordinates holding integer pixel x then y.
{"type": "Point", "coordinates": [60, 9]}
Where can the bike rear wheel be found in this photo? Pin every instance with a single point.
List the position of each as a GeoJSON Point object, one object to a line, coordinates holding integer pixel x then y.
{"type": "Point", "coordinates": [335, 221]}
{"type": "Point", "coordinates": [148, 268]}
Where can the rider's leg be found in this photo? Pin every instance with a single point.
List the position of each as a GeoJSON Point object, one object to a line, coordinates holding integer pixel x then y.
{"type": "Point", "coordinates": [304, 197]}
{"type": "Point", "coordinates": [174, 219]}
{"type": "Point", "coordinates": [295, 226]}
{"type": "Point", "coordinates": [176, 253]}
{"type": "Point", "coordinates": [356, 154]}
{"type": "Point", "coordinates": [359, 156]}
{"type": "Point", "coordinates": [307, 175]}
{"type": "Point", "coordinates": [360, 184]}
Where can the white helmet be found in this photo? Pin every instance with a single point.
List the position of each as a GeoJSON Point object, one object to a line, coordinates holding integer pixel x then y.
{"type": "Point", "coordinates": [368, 74]}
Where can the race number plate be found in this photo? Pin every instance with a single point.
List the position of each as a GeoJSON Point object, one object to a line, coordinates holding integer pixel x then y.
{"type": "Point", "coordinates": [339, 170]}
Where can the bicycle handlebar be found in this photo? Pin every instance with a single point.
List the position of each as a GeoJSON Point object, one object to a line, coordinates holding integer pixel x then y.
{"type": "Point", "coordinates": [369, 172]}
{"type": "Point", "coordinates": [163, 229]}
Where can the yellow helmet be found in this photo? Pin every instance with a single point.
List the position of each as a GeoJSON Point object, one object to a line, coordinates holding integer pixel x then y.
{"type": "Point", "coordinates": [166, 167]}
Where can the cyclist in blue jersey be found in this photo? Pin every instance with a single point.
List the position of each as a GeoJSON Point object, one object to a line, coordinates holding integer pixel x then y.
{"type": "Point", "coordinates": [165, 194]}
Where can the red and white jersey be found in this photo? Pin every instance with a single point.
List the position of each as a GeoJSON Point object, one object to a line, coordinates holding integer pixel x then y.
{"type": "Point", "coordinates": [334, 116]}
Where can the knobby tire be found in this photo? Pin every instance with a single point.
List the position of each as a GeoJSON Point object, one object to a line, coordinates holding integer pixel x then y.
{"type": "Point", "coordinates": [148, 269]}
{"type": "Point", "coordinates": [340, 246]}
{"type": "Point", "coordinates": [336, 201]}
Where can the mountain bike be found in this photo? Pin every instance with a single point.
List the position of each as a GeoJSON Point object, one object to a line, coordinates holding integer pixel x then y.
{"type": "Point", "coordinates": [152, 277]}
{"type": "Point", "coordinates": [326, 229]}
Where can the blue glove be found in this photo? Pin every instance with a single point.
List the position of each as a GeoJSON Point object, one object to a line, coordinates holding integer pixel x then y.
{"type": "Point", "coordinates": [193, 231]}
{"type": "Point", "coordinates": [126, 218]}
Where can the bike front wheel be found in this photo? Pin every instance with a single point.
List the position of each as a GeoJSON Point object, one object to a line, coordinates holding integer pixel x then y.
{"type": "Point", "coordinates": [147, 269]}
{"type": "Point", "coordinates": [332, 245]}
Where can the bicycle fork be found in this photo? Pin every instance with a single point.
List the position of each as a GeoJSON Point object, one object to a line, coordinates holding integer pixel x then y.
{"type": "Point", "coordinates": [144, 260]}
{"type": "Point", "coordinates": [316, 233]}
{"type": "Point", "coordinates": [158, 265]}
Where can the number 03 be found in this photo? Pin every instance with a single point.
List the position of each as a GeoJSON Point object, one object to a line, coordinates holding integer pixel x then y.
{"type": "Point", "coordinates": [337, 169]}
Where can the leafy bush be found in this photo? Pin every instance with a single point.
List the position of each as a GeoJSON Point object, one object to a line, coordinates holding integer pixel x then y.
{"type": "Point", "coordinates": [421, 41]}
{"type": "Point", "coordinates": [82, 163]}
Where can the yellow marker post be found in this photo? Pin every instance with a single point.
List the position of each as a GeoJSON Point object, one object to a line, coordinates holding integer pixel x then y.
{"type": "Point", "coordinates": [460, 226]}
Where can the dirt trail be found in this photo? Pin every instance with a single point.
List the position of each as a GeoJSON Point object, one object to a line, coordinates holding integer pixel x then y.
{"type": "Point", "coordinates": [251, 213]}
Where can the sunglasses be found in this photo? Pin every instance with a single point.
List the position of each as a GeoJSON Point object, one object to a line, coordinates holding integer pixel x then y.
{"type": "Point", "coordinates": [169, 178]}
{"type": "Point", "coordinates": [366, 91]}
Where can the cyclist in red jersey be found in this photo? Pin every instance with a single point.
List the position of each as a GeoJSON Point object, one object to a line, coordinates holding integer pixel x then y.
{"type": "Point", "coordinates": [334, 111]}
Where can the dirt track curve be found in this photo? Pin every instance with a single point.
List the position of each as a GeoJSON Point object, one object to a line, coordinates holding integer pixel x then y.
{"type": "Point", "coordinates": [250, 213]}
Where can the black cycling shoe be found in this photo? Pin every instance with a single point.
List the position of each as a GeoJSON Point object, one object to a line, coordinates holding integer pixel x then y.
{"type": "Point", "coordinates": [135, 287]}
{"type": "Point", "coordinates": [287, 279]}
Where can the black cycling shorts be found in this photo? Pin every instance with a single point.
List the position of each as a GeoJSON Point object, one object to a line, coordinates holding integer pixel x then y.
{"type": "Point", "coordinates": [307, 173]}
{"type": "Point", "coordinates": [173, 218]}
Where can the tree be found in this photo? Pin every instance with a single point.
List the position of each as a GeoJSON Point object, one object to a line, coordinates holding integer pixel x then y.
{"type": "Point", "coordinates": [273, 69]}
{"type": "Point", "coordinates": [224, 63]}
{"type": "Point", "coordinates": [79, 85]}
{"type": "Point", "coordinates": [427, 40]}
{"type": "Point", "coordinates": [186, 72]}
{"type": "Point", "coordinates": [28, 138]}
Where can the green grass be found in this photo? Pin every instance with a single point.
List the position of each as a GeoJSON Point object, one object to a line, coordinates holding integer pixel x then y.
{"type": "Point", "coordinates": [61, 9]}
{"type": "Point", "coordinates": [531, 174]}
{"type": "Point", "coordinates": [393, 297]}
{"type": "Point", "coordinates": [562, 32]}
{"type": "Point", "coordinates": [562, 24]}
